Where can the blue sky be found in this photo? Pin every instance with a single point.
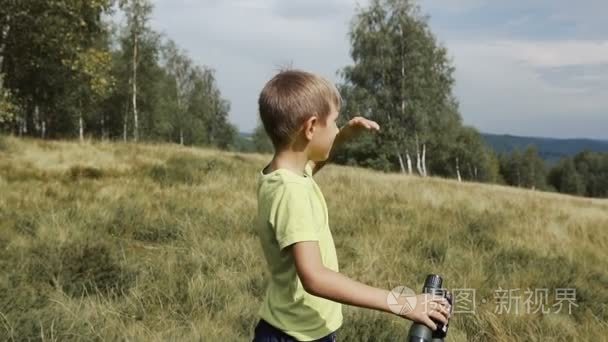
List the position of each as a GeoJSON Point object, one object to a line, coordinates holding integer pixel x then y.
{"type": "Point", "coordinates": [522, 67]}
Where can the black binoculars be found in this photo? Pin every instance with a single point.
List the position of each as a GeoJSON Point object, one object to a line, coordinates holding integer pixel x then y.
{"type": "Point", "coordinates": [420, 332]}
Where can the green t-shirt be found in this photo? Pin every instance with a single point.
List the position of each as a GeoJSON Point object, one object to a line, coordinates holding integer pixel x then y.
{"type": "Point", "coordinates": [291, 208]}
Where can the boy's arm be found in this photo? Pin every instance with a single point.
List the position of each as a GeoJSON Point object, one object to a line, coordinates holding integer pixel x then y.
{"type": "Point", "coordinates": [320, 281]}
{"type": "Point", "coordinates": [353, 128]}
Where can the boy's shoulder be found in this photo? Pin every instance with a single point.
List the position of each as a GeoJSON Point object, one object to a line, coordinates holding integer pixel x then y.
{"type": "Point", "coordinates": [285, 186]}
{"type": "Point", "coordinates": [284, 177]}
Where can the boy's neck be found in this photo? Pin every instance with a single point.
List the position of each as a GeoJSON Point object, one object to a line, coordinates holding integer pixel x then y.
{"type": "Point", "coordinates": [288, 159]}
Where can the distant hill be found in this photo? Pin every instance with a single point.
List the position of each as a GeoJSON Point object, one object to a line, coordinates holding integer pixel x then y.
{"type": "Point", "coordinates": [550, 149]}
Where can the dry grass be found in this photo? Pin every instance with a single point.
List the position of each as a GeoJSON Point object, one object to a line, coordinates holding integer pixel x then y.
{"type": "Point", "coordinates": [110, 241]}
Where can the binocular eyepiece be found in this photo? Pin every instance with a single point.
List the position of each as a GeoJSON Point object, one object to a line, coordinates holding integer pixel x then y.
{"type": "Point", "coordinates": [420, 332]}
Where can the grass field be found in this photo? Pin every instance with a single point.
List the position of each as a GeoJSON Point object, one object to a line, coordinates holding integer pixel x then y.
{"type": "Point", "coordinates": [141, 242]}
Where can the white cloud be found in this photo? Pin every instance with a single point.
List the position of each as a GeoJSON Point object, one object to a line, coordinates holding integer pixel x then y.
{"type": "Point", "coordinates": [557, 53]}
{"type": "Point", "coordinates": [247, 41]}
{"type": "Point", "coordinates": [505, 83]}
{"type": "Point", "coordinates": [452, 6]}
{"type": "Point", "coordinates": [501, 88]}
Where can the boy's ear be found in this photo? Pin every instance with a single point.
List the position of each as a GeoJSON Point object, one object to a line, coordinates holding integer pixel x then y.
{"type": "Point", "coordinates": [309, 127]}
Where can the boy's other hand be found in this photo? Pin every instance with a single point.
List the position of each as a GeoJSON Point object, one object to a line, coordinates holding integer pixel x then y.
{"type": "Point", "coordinates": [357, 125]}
{"type": "Point", "coordinates": [429, 308]}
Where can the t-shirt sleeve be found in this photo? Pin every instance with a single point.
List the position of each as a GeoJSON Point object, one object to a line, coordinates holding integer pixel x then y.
{"type": "Point", "coordinates": [292, 216]}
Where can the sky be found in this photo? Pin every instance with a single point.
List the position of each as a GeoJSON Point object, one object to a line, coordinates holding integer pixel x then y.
{"type": "Point", "coordinates": [534, 68]}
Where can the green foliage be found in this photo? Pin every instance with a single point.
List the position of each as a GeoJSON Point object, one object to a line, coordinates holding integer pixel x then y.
{"type": "Point", "coordinates": [363, 152]}
{"type": "Point", "coordinates": [565, 178]}
{"type": "Point", "coordinates": [593, 168]}
{"type": "Point", "coordinates": [243, 142]}
{"type": "Point", "coordinates": [52, 36]}
{"type": "Point", "coordinates": [585, 174]}
{"type": "Point", "coordinates": [3, 143]}
{"type": "Point", "coordinates": [261, 141]}
{"type": "Point", "coordinates": [9, 110]}
{"type": "Point", "coordinates": [81, 74]}
{"type": "Point", "coordinates": [525, 169]}
{"type": "Point", "coordinates": [474, 159]}
{"type": "Point", "coordinates": [402, 78]}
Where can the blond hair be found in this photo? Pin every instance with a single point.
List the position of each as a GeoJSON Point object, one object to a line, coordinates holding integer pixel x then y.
{"type": "Point", "coordinates": [290, 98]}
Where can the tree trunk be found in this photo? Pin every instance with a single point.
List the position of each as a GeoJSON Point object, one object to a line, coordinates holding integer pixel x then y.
{"type": "Point", "coordinates": [81, 127]}
{"type": "Point", "coordinates": [179, 109]}
{"type": "Point", "coordinates": [21, 125]}
{"type": "Point", "coordinates": [4, 34]}
{"type": "Point", "coordinates": [533, 179]}
{"type": "Point", "coordinates": [103, 127]}
{"type": "Point", "coordinates": [400, 161]}
{"type": "Point", "coordinates": [424, 160]}
{"type": "Point", "coordinates": [458, 171]}
{"type": "Point", "coordinates": [36, 118]}
{"type": "Point", "coordinates": [43, 131]}
{"type": "Point", "coordinates": [407, 155]}
{"type": "Point", "coordinates": [135, 122]}
{"type": "Point", "coordinates": [80, 122]}
{"type": "Point", "coordinates": [418, 159]}
{"type": "Point", "coordinates": [409, 163]}
{"type": "Point", "coordinates": [25, 121]}
{"type": "Point", "coordinates": [124, 122]}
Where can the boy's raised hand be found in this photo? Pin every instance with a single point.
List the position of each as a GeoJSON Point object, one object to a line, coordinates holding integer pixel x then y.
{"type": "Point", "coordinates": [357, 125]}
{"type": "Point", "coordinates": [352, 128]}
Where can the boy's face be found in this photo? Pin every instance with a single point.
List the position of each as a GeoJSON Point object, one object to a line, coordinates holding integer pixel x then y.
{"type": "Point", "coordinates": [323, 137]}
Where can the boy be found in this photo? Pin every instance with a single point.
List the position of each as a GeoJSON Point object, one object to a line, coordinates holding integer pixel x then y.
{"type": "Point", "coordinates": [304, 298]}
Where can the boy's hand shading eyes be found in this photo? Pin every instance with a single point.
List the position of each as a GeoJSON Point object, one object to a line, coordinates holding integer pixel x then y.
{"type": "Point", "coordinates": [357, 125]}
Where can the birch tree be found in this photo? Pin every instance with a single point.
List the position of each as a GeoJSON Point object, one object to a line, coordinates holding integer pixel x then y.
{"type": "Point", "coordinates": [400, 65]}
{"type": "Point", "coordinates": [138, 16]}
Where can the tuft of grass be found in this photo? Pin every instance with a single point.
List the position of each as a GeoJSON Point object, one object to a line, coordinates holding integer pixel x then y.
{"type": "Point", "coordinates": [23, 172]}
{"type": "Point", "coordinates": [130, 219]}
{"type": "Point", "coordinates": [80, 269]}
{"type": "Point", "coordinates": [188, 169]}
{"type": "Point", "coordinates": [27, 225]}
{"type": "Point", "coordinates": [84, 172]}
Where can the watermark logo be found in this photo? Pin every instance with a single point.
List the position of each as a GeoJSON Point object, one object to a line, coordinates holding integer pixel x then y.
{"type": "Point", "coordinates": [401, 300]}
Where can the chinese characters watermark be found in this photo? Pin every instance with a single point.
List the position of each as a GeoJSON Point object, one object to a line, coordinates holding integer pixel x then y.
{"type": "Point", "coordinates": [506, 301]}
{"type": "Point", "coordinates": [518, 301]}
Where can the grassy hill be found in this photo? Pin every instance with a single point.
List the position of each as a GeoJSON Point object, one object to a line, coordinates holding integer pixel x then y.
{"type": "Point", "coordinates": [112, 241]}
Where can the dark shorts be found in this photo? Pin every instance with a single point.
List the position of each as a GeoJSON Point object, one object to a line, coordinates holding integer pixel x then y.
{"type": "Point", "coordinates": [264, 332]}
